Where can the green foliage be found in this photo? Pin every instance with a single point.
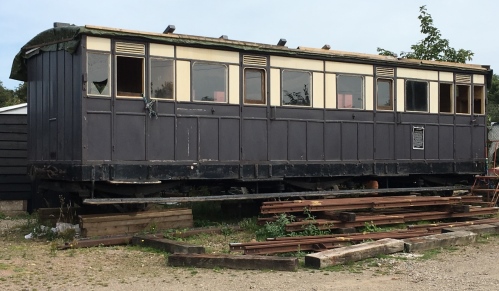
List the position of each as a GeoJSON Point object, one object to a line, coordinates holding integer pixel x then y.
{"type": "Point", "coordinates": [249, 224]}
{"type": "Point", "coordinates": [12, 97]}
{"type": "Point", "coordinates": [433, 46]}
{"type": "Point", "coordinates": [276, 228]}
{"type": "Point", "coordinates": [312, 229]}
{"type": "Point", "coordinates": [493, 98]}
{"type": "Point", "coordinates": [371, 227]}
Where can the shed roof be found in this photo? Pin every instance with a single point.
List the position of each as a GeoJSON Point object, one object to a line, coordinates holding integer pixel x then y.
{"type": "Point", "coordinates": [15, 109]}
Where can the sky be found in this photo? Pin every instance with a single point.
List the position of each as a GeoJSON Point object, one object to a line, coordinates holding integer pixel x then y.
{"type": "Point", "coordinates": [346, 25]}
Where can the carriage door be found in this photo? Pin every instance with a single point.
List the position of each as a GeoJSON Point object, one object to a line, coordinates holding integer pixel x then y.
{"type": "Point", "coordinates": [129, 134]}
{"type": "Point", "coordinates": [384, 118]}
{"type": "Point", "coordinates": [254, 113]}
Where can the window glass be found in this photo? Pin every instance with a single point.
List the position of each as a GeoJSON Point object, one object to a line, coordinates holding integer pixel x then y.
{"type": "Point", "coordinates": [446, 97]}
{"type": "Point", "coordinates": [129, 76]}
{"type": "Point", "coordinates": [478, 99]}
{"type": "Point", "coordinates": [209, 82]}
{"type": "Point", "coordinates": [350, 91]}
{"type": "Point", "coordinates": [416, 96]}
{"type": "Point", "coordinates": [254, 86]}
{"type": "Point", "coordinates": [462, 99]}
{"type": "Point", "coordinates": [384, 94]}
{"type": "Point", "coordinates": [296, 88]}
{"type": "Point", "coordinates": [162, 78]}
{"type": "Point", "coordinates": [98, 71]}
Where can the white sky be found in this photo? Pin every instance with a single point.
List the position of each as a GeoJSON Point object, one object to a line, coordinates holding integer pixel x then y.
{"type": "Point", "coordinates": [350, 25]}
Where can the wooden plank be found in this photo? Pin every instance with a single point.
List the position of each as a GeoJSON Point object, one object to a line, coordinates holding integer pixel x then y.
{"type": "Point", "coordinates": [15, 195]}
{"type": "Point", "coordinates": [88, 243]}
{"type": "Point", "coordinates": [166, 245]}
{"type": "Point", "coordinates": [130, 229]}
{"type": "Point", "coordinates": [15, 179]}
{"type": "Point", "coordinates": [13, 128]}
{"type": "Point", "coordinates": [133, 215]}
{"type": "Point", "coordinates": [8, 153]}
{"type": "Point", "coordinates": [13, 119]}
{"type": "Point", "coordinates": [13, 136]}
{"type": "Point", "coordinates": [15, 188]}
{"type": "Point", "coordinates": [245, 262]}
{"type": "Point", "coordinates": [354, 253]}
{"type": "Point", "coordinates": [13, 145]}
{"type": "Point", "coordinates": [13, 162]}
{"type": "Point", "coordinates": [149, 220]}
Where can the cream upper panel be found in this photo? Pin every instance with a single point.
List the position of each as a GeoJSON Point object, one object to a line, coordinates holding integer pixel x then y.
{"type": "Point", "coordinates": [369, 93]}
{"type": "Point", "coordinates": [207, 55]}
{"type": "Point", "coordinates": [275, 87]}
{"type": "Point", "coordinates": [161, 50]}
{"type": "Point", "coordinates": [417, 74]}
{"type": "Point", "coordinates": [347, 68]}
{"type": "Point", "coordinates": [98, 43]}
{"type": "Point", "coordinates": [434, 97]}
{"type": "Point", "coordinates": [400, 95]}
{"type": "Point", "coordinates": [294, 63]}
{"type": "Point", "coordinates": [318, 90]}
{"type": "Point", "coordinates": [446, 77]}
{"type": "Point", "coordinates": [233, 84]}
{"type": "Point", "coordinates": [479, 79]}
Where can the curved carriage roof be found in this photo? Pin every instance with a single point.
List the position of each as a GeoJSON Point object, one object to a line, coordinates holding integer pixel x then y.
{"type": "Point", "coordinates": [68, 38]}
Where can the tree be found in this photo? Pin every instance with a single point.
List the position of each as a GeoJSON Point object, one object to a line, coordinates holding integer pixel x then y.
{"type": "Point", "coordinates": [433, 46]}
{"type": "Point", "coordinates": [13, 97]}
{"type": "Point", "coordinates": [493, 98]}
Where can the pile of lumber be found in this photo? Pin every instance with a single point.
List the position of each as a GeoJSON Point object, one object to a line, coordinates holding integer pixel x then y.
{"type": "Point", "coordinates": [93, 225]}
{"type": "Point", "coordinates": [321, 242]}
{"type": "Point", "coordinates": [345, 213]}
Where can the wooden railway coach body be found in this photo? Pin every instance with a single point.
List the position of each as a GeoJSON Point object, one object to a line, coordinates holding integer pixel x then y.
{"type": "Point", "coordinates": [114, 106]}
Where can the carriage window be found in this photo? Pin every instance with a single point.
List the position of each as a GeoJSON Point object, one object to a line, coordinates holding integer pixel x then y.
{"type": "Point", "coordinates": [478, 100]}
{"type": "Point", "coordinates": [416, 96]}
{"type": "Point", "coordinates": [384, 94]}
{"type": "Point", "coordinates": [350, 91]}
{"type": "Point", "coordinates": [446, 98]}
{"type": "Point", "coordinates": [129, 76]}
{"type": "Point", "coordinates": [254, 86]}
{"type": "Point", "coordinates": [296, 88]}
{"type": "Point", "coordinates": [462, 99]}
{"type": "Point", "coordinates": [98, 71]}
{"type": "Point", "coordinates": [161, 78]}
{"type": "Point", "coordinates": [209, 82]}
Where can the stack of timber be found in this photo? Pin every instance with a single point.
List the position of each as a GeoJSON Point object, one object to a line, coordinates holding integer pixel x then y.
{"type": "Point", "coordinates": [321, 242]}
{"type": "Point", "coordinates": [332, 213]}
{"type": "Point", "coordinates": [93, 225]}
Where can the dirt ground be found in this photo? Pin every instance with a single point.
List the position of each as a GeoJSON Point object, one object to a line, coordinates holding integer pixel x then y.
{"type": "Point", "coordinates": [38, 265]}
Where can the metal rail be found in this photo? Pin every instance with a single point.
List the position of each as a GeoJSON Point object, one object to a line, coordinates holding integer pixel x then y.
{"type": "Point", "coordinates": [335, 193]}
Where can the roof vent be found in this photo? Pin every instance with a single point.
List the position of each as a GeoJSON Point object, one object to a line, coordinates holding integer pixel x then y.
{"type": "Point", "coordinates": [385, 72]}
{"type": "Point", "coordinates": [254, 60]}
{"type": "Point", "coordinates": [61, 24]}
{"type": "Point", "coordinates": [130, 48]}
{"type": "Point", "coordinates": [463, 79]}
{"type": "Point", "coordinates": [169, 29]}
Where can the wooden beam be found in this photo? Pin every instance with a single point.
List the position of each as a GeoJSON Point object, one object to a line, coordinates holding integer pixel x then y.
{"type": "Point", "coordinates": [241, 262]}
{"type": "Point", "coordinates": [166, 245]}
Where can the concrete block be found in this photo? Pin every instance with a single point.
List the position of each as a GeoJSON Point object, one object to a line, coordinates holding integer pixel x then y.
{"type": "Point", "coordinates": [478, 229]}
{"type": "Point", "coordinates": [456, 238]}
{"type": "Point", "coordinates": [13, 207]}
{"type": "Point", "coordinates": [354, 253]}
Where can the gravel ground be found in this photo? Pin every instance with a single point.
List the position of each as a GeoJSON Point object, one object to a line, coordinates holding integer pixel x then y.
{"type": "Point", "coordinates": [37, 265]}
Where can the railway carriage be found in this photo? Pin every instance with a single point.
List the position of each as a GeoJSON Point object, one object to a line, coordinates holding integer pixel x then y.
{"type": "Point", "coordinates": [134, 113]}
